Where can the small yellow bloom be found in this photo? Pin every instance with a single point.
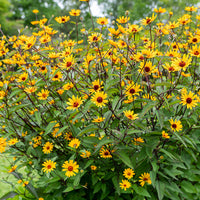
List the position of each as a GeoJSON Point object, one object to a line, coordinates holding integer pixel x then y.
{"type": "Point", "coordinates": [35, 11]}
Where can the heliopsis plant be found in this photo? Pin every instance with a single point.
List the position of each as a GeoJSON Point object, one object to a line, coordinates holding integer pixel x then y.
{"type": "Point", "coordinates": [110, 112]}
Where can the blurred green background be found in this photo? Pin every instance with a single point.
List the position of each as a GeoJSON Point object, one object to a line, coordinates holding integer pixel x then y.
{"type": "Point", "coordinates": [16, 14]}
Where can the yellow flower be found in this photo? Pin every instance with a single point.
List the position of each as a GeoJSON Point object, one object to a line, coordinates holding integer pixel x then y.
{"type": "Point", "coordinates": [74, 143]}
{"type": "Point", "coordinates": [105, 153]}
{"type": "Point", "coordinates": [74, 12]}
{"type": "Point", "coordinates": [45, 38]}
{"type": "Point", "coordinates": [30, 89]}
{"type": "Point", "coordinates": [68, 62]}
{"type": "Point", "coordinates": [93, 167]}
{"type": "Point", "coordinates": [125, 184]}
{"type": "Point", "coordinates": [102, 21]}
{"type": "Point", "coordinates": [146, 68]}
{"type": "Point", "coordinates": [85, 154]}
{"type": "Point", "coordinates": [175, 125]}
{"type": "Point", "coordinates": [23, 77]}
{"type": "Point", "coordinates": [123, 20]}
{"type": "Point", "coordinates": [189, 99]}
{"type": "Point", "coordinates": [132, 89]}
{"type": "Point", "coordinates": [182, 63]}
{"type": "Point", "coordinates": [145, 178]}
{"type": "Point", "coordinates": [195, 51]}
{"type": "Point", "coordinates": [130, 115]}
{"type": "Point", "coordinates": [95, 37]}
{"type": "Point", "coordinates": [43, 94]}
{"type": "Point", "coordinates": [96, 86]}
{"type": "Point", "coordinates": [35, 11]}
{"type": "Point", "coordinates": [49, 166]}
{"type": "Point", "coordinates": [138, 140]}
{"type": "Point", "coordinates": [2, 94]}
{"type": "Point", "coordinates": [99, 119]}
{"type": "Point", "coordinates": [194, 39]}
{"type": "Point", "coordinates": [165, 135]}
{"type": "Point", "coordinates": [74, 103]}
{"type": "Point", "coordinates": [172, 25]}
{"type": "Point", "coordinates": [99, 98]}
{"type": "Point", "coordinates": [13, 168]}
{"type": "Point", "coordinates": [62, 19]}
{"type": "Point", "coordinates": [13, 141]}
{"type": "Point", "coordinates": [148, 20]}
{"type": "Point", "coordinates": [70, 167]}
{"type": "Point", "coordinates": [160, 10]}
{"type": "Point", "coordinates": [191, 9]}
{"type": "Point", "coordinates": [47, 148]}
{"type": "Point", "coordinates": [56, 76]}
{"type": "Point", "coordinates": [68, 86]}
{"type": "Point", "coordinates": [128, 173]}
{"type": "Point", "coordinates": [25, 183]}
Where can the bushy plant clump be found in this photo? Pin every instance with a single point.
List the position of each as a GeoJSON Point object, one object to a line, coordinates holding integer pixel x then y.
{"type": "Point", "coordinates": [112, 114]}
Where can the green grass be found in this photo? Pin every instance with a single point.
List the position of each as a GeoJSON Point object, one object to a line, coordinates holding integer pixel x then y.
{"type": "Point", "coordinates": [4, 175]}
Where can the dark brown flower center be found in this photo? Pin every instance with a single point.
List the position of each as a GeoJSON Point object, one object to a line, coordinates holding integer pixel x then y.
{"type": "Point", "coordinates": [189, 100]}
{"type": "Point", "coordinates": [70, 168]}
{"type": "Point", "coordinates": [75, 104]}
{"type": "Point", "coordinates": [147, 69]}
{"type": "Point", "coordinates": [69, 64]}
{"type": "Point", "coordinates": [23, 78]}
{"type": "Point", "coordinates": [132, 91]}
{"type": "Point", "coordinates": [48, 166]}
{"type": "Point", "coordinates": [182, 64]}
{"type": "Point", "coordinates": [171, 69]}
{"type": "Point", "coordinates": [174, 126]}
{"type": "Point", "coordinates": [56, 76]}
{"type": "Point", "coordinates": [43, 68]}
{"type": "Point", "coordinates": [194, 40]}
{"type": "Point", "coordinates": [99, 99]}
{"type": "Point", "coordinates": [44, 95]}
{"type": "Point", "coordinates": [106, 153]}
{"type": "Point", "coordinates": [148, 21]}
{"type": "Point", "coordinates": [141, 57]}
{"type": "Point", "coordinates": [96, 87]}
{"type": "Point", "coordinates": [94, 38]}
{"type": "Point", "coordinates": [145, 179]}
{"type": "Point", "coordinates": [196, 53]}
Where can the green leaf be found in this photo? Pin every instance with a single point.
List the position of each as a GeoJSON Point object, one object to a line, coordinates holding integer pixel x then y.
{"type": "Point", "coordinates": [188, 187]}
{"type": "Point", "coordinates": [160, 187]}
{"type": "Point", "coordinates": [147, 108]}
{"type": "Point", "coordinates": [124, 158]}
{"type": "Point", "coordinates": [104, 141]}
{"type": "Point", "coordinates": [160, 118]}
{"type": "Point", "coordinates": [68, 189]}
{"type": "Point", "coordinates": [115, 102]}
{"type": "Point", "coordinates": [77, 179]}
{"type": "Point", "coordinates": [141, 191]}
{"type": "Point", "coordinates": [168, 154]}
{"type": "Point", "coordinates": [9, 195]}
{"type": "Point", "coordinates": [49, 127]}
{"type": "Point", "coordinates": [167, 84]}
{"type": "Point", "coordinates": [38, 117]}
{"type": "Point", "coordinates": [89, 162]}
{"type": "Point", "coordinates": [116, 184]}
{"type": "Point", "coordinates": [88, 129]}
{"type": "Point", "coordinates": [180, 139]}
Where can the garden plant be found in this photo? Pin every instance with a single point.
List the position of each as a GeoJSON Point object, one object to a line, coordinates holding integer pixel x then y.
{"type": "Point", "coordinates": [111, 114]}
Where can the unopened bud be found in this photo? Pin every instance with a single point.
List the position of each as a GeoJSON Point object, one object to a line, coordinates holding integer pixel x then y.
{"type": "Point", "coordinates": [111, 13]}
{"type": "Point", "coordinates": [127, 13]}
{"type": "Point", "coordinates": [113, 22]}
{"type": "Point", "coordinates": [81, 18]}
